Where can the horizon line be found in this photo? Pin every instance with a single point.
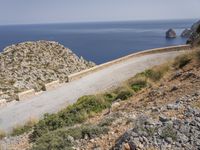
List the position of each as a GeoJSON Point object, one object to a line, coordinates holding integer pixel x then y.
{"type": "Point", "coordinates": [101, 21]}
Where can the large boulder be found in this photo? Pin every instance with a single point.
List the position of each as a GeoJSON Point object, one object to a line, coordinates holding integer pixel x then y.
{"type": "Point", "coordinates": [170, 34]}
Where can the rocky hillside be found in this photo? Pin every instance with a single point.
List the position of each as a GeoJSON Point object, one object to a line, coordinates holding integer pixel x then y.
{"type": "Point", "coordinates": [31, 64]}
{"type": "Point", "coordinates": [188, 32]}
{"type": "Point", "coordinates": [158, 109]}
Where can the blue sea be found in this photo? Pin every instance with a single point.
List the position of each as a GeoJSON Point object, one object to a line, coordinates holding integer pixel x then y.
{"type": "Point", "coordinates": [99, 42]}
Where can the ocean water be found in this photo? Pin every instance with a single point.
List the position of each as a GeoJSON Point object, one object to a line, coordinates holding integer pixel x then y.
{"type": "Point", "coordinates": [99, 42]}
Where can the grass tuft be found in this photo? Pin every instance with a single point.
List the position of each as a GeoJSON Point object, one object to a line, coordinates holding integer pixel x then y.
{"type": "Point", "coordinates": [197, 55]}
{"type": "Point", "coordinates": [138, 83]}
{"type": "Point", "coordinates": [182, 61]}
{"type": "Point", "coordinates": [18, 130]}
{"type": "Point", "coordinates": [2, 134]}
{"type": "Point", "coordinates": [123, 93]}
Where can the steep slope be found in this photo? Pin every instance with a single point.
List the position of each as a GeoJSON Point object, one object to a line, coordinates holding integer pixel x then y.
{"type": "Point", "coordinates": [156, 109]}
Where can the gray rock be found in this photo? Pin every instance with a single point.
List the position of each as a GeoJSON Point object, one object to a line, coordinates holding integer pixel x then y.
{"type": "Point", "coordinates": [186, 33]}
{"type": "Point", "coordinates": [169, 140]}
{"type": "Point", "coordinates": [170, 34]}
{"type": "Point", "coordinates": [195, 26]}
{"type": "Point", "coordinates": [70, 138]}
{"type": "Point", "coordinates": [173, 106]}
{"type": "Point", "coordinates": [162, 118]}
{"type": "Point", "coordinates": [182, 138]}
{"type": "Point", "coordinates": [174, 88]}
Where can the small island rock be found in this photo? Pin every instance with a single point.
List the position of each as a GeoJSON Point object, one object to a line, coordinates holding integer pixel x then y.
{"type": "Point", "coordinates": [170, 34]}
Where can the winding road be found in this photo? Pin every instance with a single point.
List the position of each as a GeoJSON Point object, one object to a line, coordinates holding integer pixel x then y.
{"type": "Point", "coordinates": [17, 113]}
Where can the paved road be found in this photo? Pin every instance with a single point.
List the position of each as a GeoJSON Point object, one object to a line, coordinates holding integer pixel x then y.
{"type": "Point", "coordinates": [52, 101]}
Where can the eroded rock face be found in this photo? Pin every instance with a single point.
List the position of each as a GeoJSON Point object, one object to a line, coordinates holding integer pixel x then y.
{"type": "Point", "coordinates": [186, 33]}
{"type": "Point", "coordinates": [195, 26]}
{"type": "Point", "coordinates": [31, 64]}
{"type": "Point", "coordinates": [170, 34]}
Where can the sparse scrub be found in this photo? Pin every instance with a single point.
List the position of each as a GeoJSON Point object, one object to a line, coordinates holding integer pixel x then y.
{"type": "Point", "coordinates": [2, 134]}
{"type": "Point", "coordinates": [18, 130]}
{"type": "Point", "coordinates": [76, 113]}
{"type": "Point", "coordinates": [154, 74]}
{"type": "Point", "coordinates": [123, 93]}
{"type": "Point", "coordinates": [138, 84]}
{"type": "Point", "coordinates": [197, 54]}
{"type": "Point", "coordinates": [182, 61]}
{"type": "Point", "coordinates": [106, 122]}
{"type": "Point", "coordinates": [151, 131]}
{"type": "Point", "coordinates": [196, 104]}
{"type": "Point", "coordinates": [59, 139]}
{"type": "Point", "coordinates": [157, 73]}
{"type": "Point", "coordinates": [110, 96]}
{"type": "Point", "coordinates": [93, 131]}
{"type": "Point", "coordinates": [168, 131]}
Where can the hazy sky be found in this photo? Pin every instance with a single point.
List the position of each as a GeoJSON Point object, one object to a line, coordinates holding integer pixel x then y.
{"type": "Point", "coordinates": [53, 11]}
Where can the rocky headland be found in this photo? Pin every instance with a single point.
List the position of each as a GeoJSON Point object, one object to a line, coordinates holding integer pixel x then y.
{"type": "Point", "coordinates": [30, 65]}
{"type": "Point", "coordinates": [187, 33]}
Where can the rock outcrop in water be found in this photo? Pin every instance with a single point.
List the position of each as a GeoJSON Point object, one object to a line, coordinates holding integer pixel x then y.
{"type": "Point", "coordinates": [32, 64]}
{"type": "Point", "coordinates": [170, 34]}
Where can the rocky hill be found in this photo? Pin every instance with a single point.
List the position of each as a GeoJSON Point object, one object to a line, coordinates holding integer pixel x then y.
{"type": "Point", "coordinates": [31, 64]}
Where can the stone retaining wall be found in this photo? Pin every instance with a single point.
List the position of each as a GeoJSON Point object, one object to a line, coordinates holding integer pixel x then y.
{"type": "Point", "coordinates": [51, 85]}
{"type": "Point", "coordinates": [142, 53]}
{"type": "Point", "coordinates": [2, 102]}
{"type": "Point", "coordinates": [25, 95]}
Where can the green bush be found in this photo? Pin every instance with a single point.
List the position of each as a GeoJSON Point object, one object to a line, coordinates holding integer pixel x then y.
{"type": "Point", "coordinates": [48, 123]}
{"type": "Point", "coordinates": [110, 96]}
{"type": "Point", "coordinates": [138, 84]}
{"type": "Point", "coordinates": [182, 61]}
{"type": "Point", "coordinates": [18, 130]}
{"type": "Point", "coordinates": [123, 93]}
{"type": "Point", "coordinates": [58, 139]}
{"type": "Point", "coordinates": [76, 113]}
{"type": "Point", "coordinates": [52, 141]}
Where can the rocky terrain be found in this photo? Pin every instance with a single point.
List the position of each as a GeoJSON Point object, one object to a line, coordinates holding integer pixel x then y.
{"type": "Point", "coordinates": [187, 33]}
{"type": "Point", "coordinates": [32, 64]}
{"type": "Point", "coordinates": [165, 115]}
